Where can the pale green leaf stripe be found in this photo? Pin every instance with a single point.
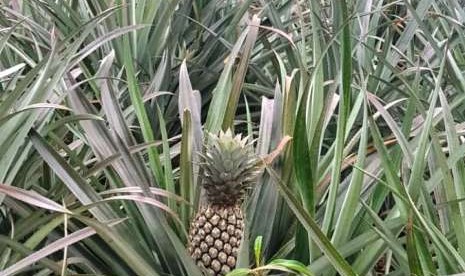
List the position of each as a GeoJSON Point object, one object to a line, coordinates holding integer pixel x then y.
{"type": "Point", "coordinates": [12, 70]}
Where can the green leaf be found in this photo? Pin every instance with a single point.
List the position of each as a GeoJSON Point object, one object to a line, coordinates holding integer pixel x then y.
{"type": "Point", "coordinates": [312, 227]}
{"type": "Point", "coordinates": [344, 109]}
{"type": "Point", "coordinates": [414, 263]}
{"type": "Point", "coordinates": [295, 266]}
{"type": "Point", "coordinates": [186, 179]}
{"type": "Point", "coordinates": [239, 272]}
{"type": "Point", "coordinates": [240, 73]}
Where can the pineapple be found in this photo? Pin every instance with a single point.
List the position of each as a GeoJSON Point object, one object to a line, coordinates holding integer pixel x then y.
{"type": "Point", "coordinates": [229, 166]}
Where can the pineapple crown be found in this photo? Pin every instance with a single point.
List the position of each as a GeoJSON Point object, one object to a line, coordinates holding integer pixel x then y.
{"type": "Point", "coordinates": [230, 166]}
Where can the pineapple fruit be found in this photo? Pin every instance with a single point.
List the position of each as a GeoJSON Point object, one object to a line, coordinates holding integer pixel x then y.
{"type": "Point", "coordinates": [229, 167]}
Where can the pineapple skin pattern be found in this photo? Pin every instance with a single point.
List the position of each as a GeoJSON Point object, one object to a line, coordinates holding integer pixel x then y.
{"type": "Point", "coordinates": [230, 166]}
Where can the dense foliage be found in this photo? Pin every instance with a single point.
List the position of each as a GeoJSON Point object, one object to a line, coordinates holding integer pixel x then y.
{"type": "Point", "coordinates": [356, 107]}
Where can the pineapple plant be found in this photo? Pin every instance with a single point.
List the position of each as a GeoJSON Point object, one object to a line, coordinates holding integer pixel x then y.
{"type": "Point", "coordinates": [230, 166]}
